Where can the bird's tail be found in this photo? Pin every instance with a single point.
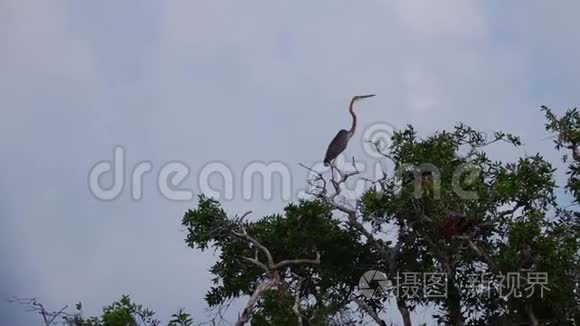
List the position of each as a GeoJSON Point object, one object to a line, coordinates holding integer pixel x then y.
{"type": "Point", "coordinates": [326, 163]}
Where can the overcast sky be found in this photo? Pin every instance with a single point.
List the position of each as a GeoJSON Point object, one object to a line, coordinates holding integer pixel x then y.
{"type": "Point", "coordinates": [232, 82]}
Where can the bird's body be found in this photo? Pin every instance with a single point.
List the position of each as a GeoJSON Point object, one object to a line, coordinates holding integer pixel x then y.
{"type": "Point", "coordinates": [337, 146]}
{"type": "Point", "coordinates": [340, 141]}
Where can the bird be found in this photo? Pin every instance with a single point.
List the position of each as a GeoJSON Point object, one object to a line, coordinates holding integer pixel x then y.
{"type": "Point", "coordinates": [340, 141]}
{"type": "Point", "coordinates": [455, 224]}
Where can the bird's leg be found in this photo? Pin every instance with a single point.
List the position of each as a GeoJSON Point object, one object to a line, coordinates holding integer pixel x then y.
{"type": "Point", "coordinates": [332, 167]}
{"type": "Point", "coordinates": [332, 170]}
{"type": "Point", "coordinates": [339, 171]}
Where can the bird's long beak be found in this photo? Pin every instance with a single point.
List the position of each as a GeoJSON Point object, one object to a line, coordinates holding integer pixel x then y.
{"type": "Point", "coordinates": [360, 97]}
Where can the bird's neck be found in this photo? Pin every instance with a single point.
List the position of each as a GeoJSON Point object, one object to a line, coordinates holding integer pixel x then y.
{"type": "Point", "coordinates": [351, 110]}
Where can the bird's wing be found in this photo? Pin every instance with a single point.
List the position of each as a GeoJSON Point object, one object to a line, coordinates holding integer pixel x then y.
{"type": "Point", "coordinates": [337, 145]}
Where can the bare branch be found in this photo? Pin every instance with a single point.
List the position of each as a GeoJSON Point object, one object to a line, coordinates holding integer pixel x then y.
{"type": "Point", "coordinates": [241, 219]}
{"type": "Point", "coordinates": [350, 212]}
{"type": "Point", "coordinates": [511, 211]}
{"type": "Point", "coordinates": [255, 242]}
{"type": "Point", "coordinates": [296, 306]}
{"type": "Point", "coordinates": [389, 255]}
{"type": "Point", "coordinates": [32, 305]}
{"type": "Point", "coordinates": [298, 262]}
{"type": "Point", "coordinates": [247, 312]}
{"type": "Point", "coordinates": [271, 269]}
{"type": "Point", "coordinates": [257, 263]}
{"type": "Point", "coordinates": [312, 182]}
{"type": "Point", "coordinates": [380, 151]}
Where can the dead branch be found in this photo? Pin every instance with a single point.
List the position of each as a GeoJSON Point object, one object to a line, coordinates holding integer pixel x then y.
{"type": "Point", "coordinates": [32, 305]}
{"type": "Point", "coordinates": [245, 235]}
{"type": "Point", "coordinates": [389, 255]}
{"type": "Point", "coordinates": [247, 312]}
{"type": "Point", "coordinates": [285, 263]}
{"type": "Point", "coordinates": [270, 268]}
{"type": "Point", "coordinates": [350, 212]}
{"type": "Point", "coordinates": [380, 151]}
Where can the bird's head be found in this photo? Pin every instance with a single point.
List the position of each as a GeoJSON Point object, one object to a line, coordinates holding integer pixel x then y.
{"type": "Point", "coordinates": [360, 97]}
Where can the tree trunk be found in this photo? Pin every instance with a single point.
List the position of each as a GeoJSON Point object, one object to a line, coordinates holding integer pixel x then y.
{"type": "Point", "coordinates": [404, 312]}
{"type": "Point", "coordinates": [247, 312]}
{"type": "Point", "coordinates": [454, 304]}
{"type": "Point", "coordinates": [455, 316]}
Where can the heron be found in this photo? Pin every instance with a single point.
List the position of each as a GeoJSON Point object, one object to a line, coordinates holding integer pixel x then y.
{"type": "Point", "coordinates": [340, 141]}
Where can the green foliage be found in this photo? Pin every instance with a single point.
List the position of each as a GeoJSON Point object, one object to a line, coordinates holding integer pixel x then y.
{"type": "Point", "coordinates": [207, 224]}
{"type": "Point", "coordinates": [125, 312]}
{"type": "Point", "coordinates": [305, 229]}
{"type": "Point", "coordinates": [567, 130]}
{"type": "Point", "coordinates": [275, 309]}
{"type": "Point", "coordinates": [121, 312]}
{"type": "Point", "coordinates": [180, 318]}
{"type": "Point", "coordinates": [513, 214]}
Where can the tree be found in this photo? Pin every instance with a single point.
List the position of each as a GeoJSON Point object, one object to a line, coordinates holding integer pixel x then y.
{"type": "Point", "coordinates": [265, 260]}
{"type": "Point", "coordinates": [448, 209]}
